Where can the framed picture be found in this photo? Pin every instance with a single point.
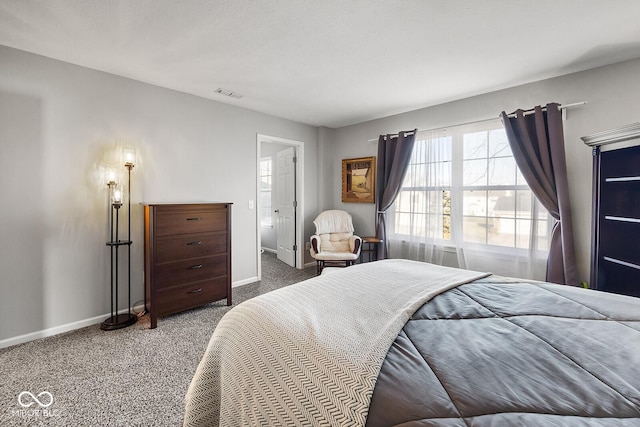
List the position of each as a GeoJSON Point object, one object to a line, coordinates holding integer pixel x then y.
{"type": "Point", "coordinates": [358, 180]}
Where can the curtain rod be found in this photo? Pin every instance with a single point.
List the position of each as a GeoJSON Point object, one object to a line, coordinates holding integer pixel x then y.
{"type": "Point", "coordinates": [392, 135]}
{"type": "Point", "coordinates": [438, 128]}
{"type": "Point", "coordinates": [395, 135]}
{"type": "Point", "coordinates": [560, 107]}
{"type": "Point", "coordinates": [526, 113]}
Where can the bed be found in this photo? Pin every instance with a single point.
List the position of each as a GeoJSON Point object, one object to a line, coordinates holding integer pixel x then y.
{"type": "Point", "coordinates": [399, 342]}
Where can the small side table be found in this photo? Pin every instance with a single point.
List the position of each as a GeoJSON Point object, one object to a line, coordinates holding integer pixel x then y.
{"type": "Point", "coordinates": [370, 247]}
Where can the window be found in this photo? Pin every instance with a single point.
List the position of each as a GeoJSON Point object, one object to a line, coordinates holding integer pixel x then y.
{"type": "Point", "coordinates": [423, 206]}
{"type": "Point", "coordinates": [498, 207]}
{"type": "Point", "coordinates": [463, 188]}
{"type": "Point", "coordinates": [266, 219]}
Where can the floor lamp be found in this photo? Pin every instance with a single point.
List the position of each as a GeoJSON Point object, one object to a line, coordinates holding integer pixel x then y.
{"type": "Point", "coordinates": [122, 320]}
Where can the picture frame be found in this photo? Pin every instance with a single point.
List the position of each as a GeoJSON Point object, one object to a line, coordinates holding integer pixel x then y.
{"type": "Point", "coordinates": [358, 180]}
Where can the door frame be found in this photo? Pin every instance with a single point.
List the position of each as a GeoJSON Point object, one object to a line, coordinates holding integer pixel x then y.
{"type": "Point", "coordinates": [260, 138]}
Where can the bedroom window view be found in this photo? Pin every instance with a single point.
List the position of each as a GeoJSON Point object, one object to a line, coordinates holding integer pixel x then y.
{"type": "Point", "coordinates": [498, 206]}
{"type": "Point", "coordinates": [423, 206]}
{"type": "Point", "coordinates": [463, 188]}
{"type": "Point", "coordinates": [266, 219]}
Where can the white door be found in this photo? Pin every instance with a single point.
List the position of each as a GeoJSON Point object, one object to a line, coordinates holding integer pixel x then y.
{"type": "Point", "coordinates": [285, 206]}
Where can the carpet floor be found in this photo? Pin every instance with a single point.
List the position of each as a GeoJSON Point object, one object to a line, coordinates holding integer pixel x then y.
{"type": "Point", "coordinates": [134, 376]}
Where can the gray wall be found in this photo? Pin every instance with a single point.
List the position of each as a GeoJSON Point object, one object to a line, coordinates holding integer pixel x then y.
{"type": "Point", "coordinates": [612, 93]}
{"type": "Point", "coordinates": [58, 124]}
{"type": "Point", "coordinates": [326, 161]}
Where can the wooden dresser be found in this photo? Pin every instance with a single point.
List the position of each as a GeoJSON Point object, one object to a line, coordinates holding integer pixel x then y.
{"type": "Point", "coordinates": [187, 252]}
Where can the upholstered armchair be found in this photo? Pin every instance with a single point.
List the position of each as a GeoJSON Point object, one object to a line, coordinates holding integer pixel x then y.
{"type": "Point", "coordinates": [334, 242]}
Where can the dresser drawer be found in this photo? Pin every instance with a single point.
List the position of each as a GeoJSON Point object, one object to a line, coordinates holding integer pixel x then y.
{"type": "Point", "coordinates": [170, 221]}
{"type": "Point", "coordinates": [174, 248]}
{"type": "Point", "coordinates": [190, 295]}
{"type": "Point", "coordinates": [190, 270]}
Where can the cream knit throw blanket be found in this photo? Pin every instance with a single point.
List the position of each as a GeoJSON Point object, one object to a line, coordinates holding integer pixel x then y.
{"type": "Point", "coordinates": [334, 221]}
{"type": "Point", "coordinates": [310, 353]}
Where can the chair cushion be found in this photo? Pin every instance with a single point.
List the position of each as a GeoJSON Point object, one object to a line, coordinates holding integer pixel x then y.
{"type": "Point", "coordinates": [335, 242]}
{"type": "Point", "coordinates": [335, 256]}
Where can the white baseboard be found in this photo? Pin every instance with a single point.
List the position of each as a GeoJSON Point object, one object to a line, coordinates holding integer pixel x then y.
{"type": "Point", "coordinates": [273, 251]}
{"type": "Point", "coordinates": [244, 282]}
{"type": "Point", "coordinates": [21, 339]}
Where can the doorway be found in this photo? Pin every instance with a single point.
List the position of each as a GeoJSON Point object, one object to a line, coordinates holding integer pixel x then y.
{"type": "Point", "coordinates": [280, 200]}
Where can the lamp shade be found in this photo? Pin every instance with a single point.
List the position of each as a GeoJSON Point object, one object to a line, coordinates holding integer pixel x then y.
{"type": "Point", "coordinates": [116, 195]}
{"type": "Point", "coordinates": [110, 175]}
{"type": "Point", "coordinates": [129, 156]}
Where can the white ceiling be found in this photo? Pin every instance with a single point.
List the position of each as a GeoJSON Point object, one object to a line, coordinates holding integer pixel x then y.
{"type": "Point", "coordinates": [328, 62]}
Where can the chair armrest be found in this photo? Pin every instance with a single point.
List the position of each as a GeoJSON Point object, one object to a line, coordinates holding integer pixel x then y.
{"type": "Point", "coordinates": [315, 244]}
{"type": "Point", "coordinates": [355, 243]}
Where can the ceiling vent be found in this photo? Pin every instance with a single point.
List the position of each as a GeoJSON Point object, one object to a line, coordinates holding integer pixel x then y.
{"type": "Point", "coordinates": [230, 93]}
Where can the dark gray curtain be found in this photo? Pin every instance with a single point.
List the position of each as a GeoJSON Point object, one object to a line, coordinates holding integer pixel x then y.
{"type": "Point", "coordinates": [537, 142]}
{"type": "Point", "coordinates": [393, 158]}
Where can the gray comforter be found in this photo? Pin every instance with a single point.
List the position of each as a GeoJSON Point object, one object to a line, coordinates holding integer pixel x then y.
{"type": "Point", "coordinates": [498, 353]}
{"type": "Point", "coordinates": [310, 353]}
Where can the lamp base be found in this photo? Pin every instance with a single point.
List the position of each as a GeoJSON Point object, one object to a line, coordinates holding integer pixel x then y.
{"type": "Point", "coordinates": [119, 321]}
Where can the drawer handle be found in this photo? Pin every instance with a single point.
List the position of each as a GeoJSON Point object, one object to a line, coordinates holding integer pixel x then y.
{"type": "Point", "coordinates": [195, 267]}
{"type": "Point", "coordinates": [195, 219]}
{"type": "Point", "coordinates": [195, 291]}
{"type": "Point", "coordinates": [199, 242]}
